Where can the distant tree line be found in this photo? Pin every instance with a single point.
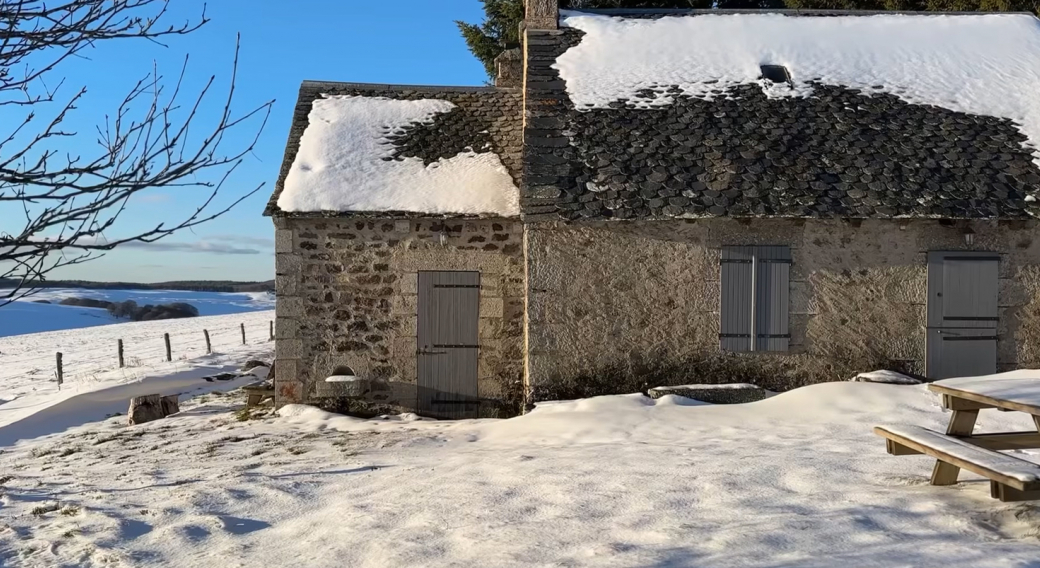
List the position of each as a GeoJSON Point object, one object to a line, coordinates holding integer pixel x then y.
{"type": "Point", "coordinates": [131, 311]}
{"type": "Point", "coordinates": [190, 286]}
{"type": "Point", "coordinates": [501, 27]}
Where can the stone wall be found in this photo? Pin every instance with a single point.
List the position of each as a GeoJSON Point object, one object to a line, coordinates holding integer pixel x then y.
{"type": "Point", "coordinates": [347, 295]}
{"type": "Point", "coordinates": [621, 306]}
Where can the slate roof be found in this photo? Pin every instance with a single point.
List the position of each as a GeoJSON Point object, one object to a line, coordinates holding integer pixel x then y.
{"type": "Point", "coordinates": [485, 119]}
{"type": "Point", "coordinates": [841, 152]}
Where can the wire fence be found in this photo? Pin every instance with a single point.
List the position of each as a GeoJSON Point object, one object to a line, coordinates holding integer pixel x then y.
{"type": "Point", "coordinates": [134, 354]}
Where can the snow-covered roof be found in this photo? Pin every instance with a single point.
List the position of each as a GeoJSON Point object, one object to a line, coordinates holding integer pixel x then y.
{"type": "Point", "coordinates": [985, 64]}
{"type": "Point", "coordinates": [401, 150]}
{"type": "Point", "coordinates": [658, 115]}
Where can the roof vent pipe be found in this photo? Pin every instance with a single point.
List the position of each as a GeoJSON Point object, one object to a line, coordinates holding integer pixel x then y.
{"type": "Point", "coordinates": [775, 73]}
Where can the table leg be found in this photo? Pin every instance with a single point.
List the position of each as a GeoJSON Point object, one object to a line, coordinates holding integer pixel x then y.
{"type": "Point", "coordinates": [962, 423]}
{"type": "Point", "coordinates": [1036, 420]}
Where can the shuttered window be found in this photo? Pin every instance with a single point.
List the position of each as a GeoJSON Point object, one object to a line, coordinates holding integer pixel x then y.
{"type": "Point", "coordinates": [755, 298]}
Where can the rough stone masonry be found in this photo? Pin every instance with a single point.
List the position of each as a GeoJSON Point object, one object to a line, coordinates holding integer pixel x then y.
{"type": "Point", "coordinates": [347, 295]}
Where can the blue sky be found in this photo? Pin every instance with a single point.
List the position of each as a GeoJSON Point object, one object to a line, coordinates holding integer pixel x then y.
{"type": "Point", "coordinates": [283, 43]}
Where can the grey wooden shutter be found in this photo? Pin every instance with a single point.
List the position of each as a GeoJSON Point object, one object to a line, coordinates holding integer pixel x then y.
{"type": "Point", "coordinates": [755, 298]}
{"type": "Point", "coordinates": [735, 324]}
{"type": "Point", "coordinates": [773, 283]}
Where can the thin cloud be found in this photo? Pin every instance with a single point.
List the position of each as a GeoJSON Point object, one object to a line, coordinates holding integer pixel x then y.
{"type": "Point", "coordinates": [194, 247]}
{"type": "Point", "coordinates": [246, 240]}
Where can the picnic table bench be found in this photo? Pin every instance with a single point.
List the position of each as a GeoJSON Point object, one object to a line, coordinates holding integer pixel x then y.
{"type": "Point", "coordinates": [1011, 478]}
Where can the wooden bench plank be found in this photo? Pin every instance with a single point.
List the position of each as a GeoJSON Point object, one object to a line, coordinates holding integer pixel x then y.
{"type": "Point", "coordinates": [1011, 471]}
{"type": "Point", "coordinates": [1005, 440]}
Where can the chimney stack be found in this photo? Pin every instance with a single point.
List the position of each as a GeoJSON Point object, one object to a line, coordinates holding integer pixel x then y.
{"type": "Point", "coordinates": [542, 14]}
{"type": "Point", "coordinates": [509, 68]}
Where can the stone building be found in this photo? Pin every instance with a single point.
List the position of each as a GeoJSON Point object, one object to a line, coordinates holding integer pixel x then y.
{"type": "Point", "coordinates": [654, 197]}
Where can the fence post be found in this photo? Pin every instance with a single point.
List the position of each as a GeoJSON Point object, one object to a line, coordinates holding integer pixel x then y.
{"type": "Point", "coordinates": [272, 331]}
{"type": "Point", "coordinates": [209, 349]}
{"type": "Point", "coordinates": [169, 355]}
{"type": "Point", "coordinates": [243, 333]}
{"type": "Point", "coordinates": [120, 347]}
{"type": "Point", "coordinates": [61, 374]}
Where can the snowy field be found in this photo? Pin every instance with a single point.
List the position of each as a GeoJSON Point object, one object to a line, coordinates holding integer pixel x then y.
{"type": "Point", "coordinates": [31, 402]}
{"type": "Point", "coordinates": [27, 316]}
{"type": "Point", "coordinates": [797, 480]}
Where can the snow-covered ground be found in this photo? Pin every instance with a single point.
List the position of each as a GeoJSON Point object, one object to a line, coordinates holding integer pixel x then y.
{"type": "Point", "coordinates": [28, 316]}
{"type": "Point", "coordinates": [797, 480]}
{"type": "Point", "coordinates": [31, 402]}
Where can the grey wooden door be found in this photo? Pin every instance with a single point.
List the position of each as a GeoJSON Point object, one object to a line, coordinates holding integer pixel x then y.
{"type": "Point", "coordinates": [962, 314]}
{"type": "Point", "coordinates": [447, 338]}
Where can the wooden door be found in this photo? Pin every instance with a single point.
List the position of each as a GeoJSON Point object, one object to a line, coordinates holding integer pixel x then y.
{"type": "Point", "coordinates": [448, 314]}
{"type": "Point", "coordinates": [962, 314]}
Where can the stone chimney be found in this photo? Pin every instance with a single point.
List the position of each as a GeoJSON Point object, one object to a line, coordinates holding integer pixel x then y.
{"type": "Point", "coordinates": [509, 68]}
{"type": "Point", "coordinates": [542, 14]}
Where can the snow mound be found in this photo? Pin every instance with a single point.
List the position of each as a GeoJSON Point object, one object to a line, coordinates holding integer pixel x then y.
{"type": "Point", "coordinates": [978, 64]}
{"type": "Point", "coordinates": [344, 164]}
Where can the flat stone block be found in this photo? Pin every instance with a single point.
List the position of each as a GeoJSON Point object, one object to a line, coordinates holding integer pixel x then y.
{"type": "Point", "coordinates": [733, 393]}
{"type": "Point", "coordinates": [288, 349]}
{"type": "Point", "coordinates": [409, 283]}
{"type": "Point", "coordinates": [405, 305]}
{"type": "Point", "coordinates": [288, 392]}
{"type": "Point", "coordinates": [287, 264]}
{"type": "Point", "coordinates": [491, 307]}
{"type": "Point", "coordinates": [286, 285]}
{"type": "Point", "coordinates": [286, 328]}
{"type": "Point", "coordinates": [289, 307]}
{"type": "Point", "coordinates": [283, 241]}
{"type": "Point", "coordinates": [405, 347]}
{"type": "Point", "coordinates": [286, 370]}
{"type": "Point", "coordinates": [409, 325]}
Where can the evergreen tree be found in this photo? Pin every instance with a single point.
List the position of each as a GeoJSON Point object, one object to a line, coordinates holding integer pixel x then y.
{"type": "Point", "coordinates": [501, 28]}
{"type": "Point", "coordinates": [499, 32]}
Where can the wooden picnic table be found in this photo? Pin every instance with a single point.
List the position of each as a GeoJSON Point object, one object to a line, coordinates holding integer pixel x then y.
{"type": "Point", "coordinates": [1011, 479]}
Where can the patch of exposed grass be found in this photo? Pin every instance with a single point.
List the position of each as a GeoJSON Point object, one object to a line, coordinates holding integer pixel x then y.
{"type": "Point", "coordinates": [70, 510]}
{"type": "Point", "coordinates": [257, 452]}
{"type": "Point", "coordinates": [232, 439]}
{"type": "Point", "coordinates": [297, 450]}
{"type": "Point", "coordinates": [210, 449]}
{"type": "Point", "coordinates": [5, 478]}
{"type": "Point", "coordinates": [41, 510]}
{"type": "Point", "coordinates": [41, 452]}
{"type": "Point", "coordinates": [68, 452]}
{"type": "Point", "coordinates": [247, 413]}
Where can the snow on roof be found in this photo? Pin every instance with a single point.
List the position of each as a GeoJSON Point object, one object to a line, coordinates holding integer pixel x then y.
{"type": "Point", "coordinates": [980, 64]}
{"type": "Point", "coordinates": [343, 164]}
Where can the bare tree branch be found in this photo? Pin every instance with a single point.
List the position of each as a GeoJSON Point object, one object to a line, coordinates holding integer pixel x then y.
{"type": "Point", "coordinates": [70, 202]}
